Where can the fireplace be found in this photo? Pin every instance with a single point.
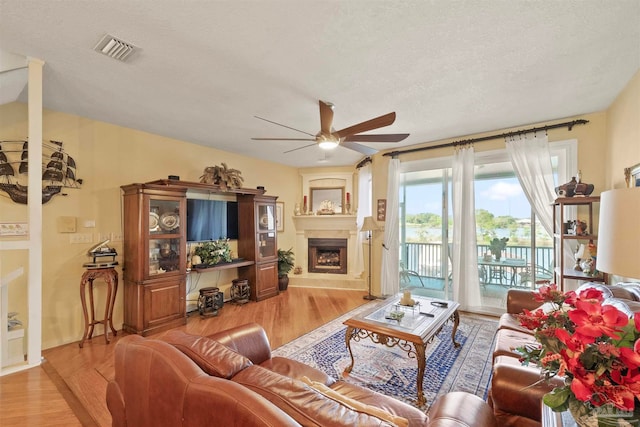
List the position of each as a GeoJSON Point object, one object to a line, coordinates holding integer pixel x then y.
{"type": "Point", "coordinates": [327, 256]}
{"type": "Point", "coordinates": [330, 228]}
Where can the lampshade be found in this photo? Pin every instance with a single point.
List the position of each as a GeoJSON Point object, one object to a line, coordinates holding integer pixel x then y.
{"type": "Point", "coordinates": [619, 233]}
{"type": "Point", "coordinates": [369, 224]}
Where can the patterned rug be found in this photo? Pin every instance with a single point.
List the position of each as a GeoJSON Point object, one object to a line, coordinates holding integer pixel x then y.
{"type": "Point", "coordinates": [390, 371]}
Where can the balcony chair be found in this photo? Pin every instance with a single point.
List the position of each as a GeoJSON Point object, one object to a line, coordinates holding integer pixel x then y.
{"type": "Point", "coordinates": [405, 277]}
{"type": "Point", "coordinates": [543, 276]}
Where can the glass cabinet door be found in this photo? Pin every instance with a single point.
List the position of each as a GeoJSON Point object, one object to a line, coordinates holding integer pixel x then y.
{"type": "Point", "coordinates": [266, 231]}
{"type": "Point", "coordinates": [164, 236]}
{"type": "Point", "coordinates": [267, 244]}
{"type": "Point", "coordinates": [266, 217]}
{"type": "Point", "coordinates": [164, 256]}
{"type": "Point", "coordinates": [164, 216]}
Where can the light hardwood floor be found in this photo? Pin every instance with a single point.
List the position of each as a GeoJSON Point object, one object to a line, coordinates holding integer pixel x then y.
{"type": "Point", "coordinates": [69, 388]}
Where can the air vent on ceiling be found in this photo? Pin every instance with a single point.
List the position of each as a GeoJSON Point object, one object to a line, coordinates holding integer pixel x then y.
{"type": "Point", "coordinates": [115, 48]}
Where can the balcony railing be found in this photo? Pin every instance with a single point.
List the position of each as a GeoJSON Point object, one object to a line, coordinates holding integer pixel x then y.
{"type": "Point", "coordinates": [426, 258]}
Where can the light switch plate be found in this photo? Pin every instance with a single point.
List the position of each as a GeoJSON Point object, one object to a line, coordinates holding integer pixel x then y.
{"type": "Point", "coordinates": [66, 224]}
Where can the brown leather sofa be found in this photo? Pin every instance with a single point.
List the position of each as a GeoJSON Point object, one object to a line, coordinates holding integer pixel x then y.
{"type": "Point", "coordinates": [516, 391]}
{"type": "Point", "coordinates": [230, 379]}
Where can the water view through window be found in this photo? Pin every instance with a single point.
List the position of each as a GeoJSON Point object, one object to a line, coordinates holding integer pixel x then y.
{"type": "Point", "coordinates": [502, 212]}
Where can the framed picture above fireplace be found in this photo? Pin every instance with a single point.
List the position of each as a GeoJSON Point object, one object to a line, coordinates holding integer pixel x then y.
{"type": "Point", "coordinates": [326, 200]}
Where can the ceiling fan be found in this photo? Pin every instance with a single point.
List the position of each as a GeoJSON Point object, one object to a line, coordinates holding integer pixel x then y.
{"type": "Point", "coordinates": [328, 138]}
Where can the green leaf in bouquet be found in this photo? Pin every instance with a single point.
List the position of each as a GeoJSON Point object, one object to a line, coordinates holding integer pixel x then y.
{"type": "Point", "coordinates": [557, 399]}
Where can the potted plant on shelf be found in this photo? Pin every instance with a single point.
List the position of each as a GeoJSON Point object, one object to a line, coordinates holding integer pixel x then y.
{"type": "Point", "coordinates": [285, 264]}
{"type": "Point", "coordinates": [214, 252]}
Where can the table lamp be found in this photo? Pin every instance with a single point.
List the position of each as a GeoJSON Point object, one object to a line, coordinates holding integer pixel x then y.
{"type": "Point", "coordinates": [619, 233]}
{"type": "Point", "coordinates": [369, 225]}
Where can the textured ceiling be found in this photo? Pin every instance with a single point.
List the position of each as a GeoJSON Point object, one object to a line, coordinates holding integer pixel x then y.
{"type": "Point", "coordinates": [206, 68]}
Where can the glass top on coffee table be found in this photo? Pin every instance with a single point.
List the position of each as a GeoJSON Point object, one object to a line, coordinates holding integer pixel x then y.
{"type": "Point", "coordinates": [410, 328]}
{"type": "Point", "coordinates": [427, 315]}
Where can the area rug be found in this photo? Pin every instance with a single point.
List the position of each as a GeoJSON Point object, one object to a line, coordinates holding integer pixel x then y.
{"type": "Point", "coordinates": [390, 371]}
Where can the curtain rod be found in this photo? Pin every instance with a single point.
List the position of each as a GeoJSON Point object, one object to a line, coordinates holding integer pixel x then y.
{"type": "Point", "coordinates": [364, 162]}
{"type": "Point", "coordinates": [568, 125]}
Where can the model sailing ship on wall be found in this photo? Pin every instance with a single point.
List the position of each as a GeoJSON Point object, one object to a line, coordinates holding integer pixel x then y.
{"type": "Point", "coordinates": [58, 170]}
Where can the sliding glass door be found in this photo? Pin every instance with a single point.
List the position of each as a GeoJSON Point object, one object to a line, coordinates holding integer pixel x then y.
{"type": "Point", "coordinates": [503, 215]}
{"type": "Point", "coordinates": [514, 250]}
{"type": "Point", "coordinates": [424, 229]}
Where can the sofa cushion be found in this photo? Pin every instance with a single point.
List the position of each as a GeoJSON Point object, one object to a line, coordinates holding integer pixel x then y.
{"type": "Point", "coordinates": [249, 339]}
{"type": "Point", "coordinates": [631, 287]}
{"type": "Point", "coordinates": [628, 307]}
{"type": "Point", "coordinates": [512, 321]}
{"type": "Point", "coordinates": [304, 404]}
{"type": "Point", "coordinates": [354, 404]}
{"type": "Point", "coordinates": [519, 299]}
{"type": "Point", "coordinates": [607, 291]}
{"type": "Point", "coordinates": [212, 357]}
{"type": "Point", "coordinates": [465, 408]}
{"type": "Point", "coordinates": [415, 416]}
{"type": "Point", "coordinates": [517, 390]}
{"type": "Point", "coordinates": [507, 340]}
{"type": "Point", "coordinates": [294, 369]}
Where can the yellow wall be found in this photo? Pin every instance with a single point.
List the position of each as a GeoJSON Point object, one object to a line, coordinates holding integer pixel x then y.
{"type": "Point", "coordinates": [623, 133]}
{"type": "Point", "coordinates": [109, 156]}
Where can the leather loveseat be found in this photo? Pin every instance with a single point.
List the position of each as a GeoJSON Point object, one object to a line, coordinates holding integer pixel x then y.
{"type": "Point", "coordinates": [516, 391]}
{"type": "Point", "coordinates": [230, 379]}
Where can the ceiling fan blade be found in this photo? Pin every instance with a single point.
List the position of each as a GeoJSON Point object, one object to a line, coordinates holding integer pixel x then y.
{"type": "Point", "coordinates": [283, 139]}
{"type": "Point", "coordinates": [284, 126]}
{"type": "Point", "coordinates": [326, 117]}
{"type": "Point", "coordinates": [359, 148]}
{"type": "Point", "coordinates": [299, 148]}
{"type": "Point", "coordinates": [376, 123]}
{"type": "Point", "coordinates": [389, 137]}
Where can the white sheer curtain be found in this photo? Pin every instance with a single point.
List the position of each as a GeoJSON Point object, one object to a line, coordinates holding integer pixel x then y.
{"type": "Point", "coordinates": [390, 282]}
{"type": "Point", "coordinates": [466, 285]}
{"type": "Point", "coordinates": [531, 161]}
{"type": "Point", "coordinates": [364, 210]}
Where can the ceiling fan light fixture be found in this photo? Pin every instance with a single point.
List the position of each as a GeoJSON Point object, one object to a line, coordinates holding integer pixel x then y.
{"type": "Point", "coordinates": [328, 138]}
{"type": "Point", "coordinates": [328, 144]}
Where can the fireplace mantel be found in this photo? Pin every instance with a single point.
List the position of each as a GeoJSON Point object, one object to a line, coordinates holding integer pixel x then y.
{"type": "Point", "coordinates": [325, 222]}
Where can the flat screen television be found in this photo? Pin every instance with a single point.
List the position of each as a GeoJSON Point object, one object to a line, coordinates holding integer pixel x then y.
{"type": "Point", "coordinates": [211, 220]}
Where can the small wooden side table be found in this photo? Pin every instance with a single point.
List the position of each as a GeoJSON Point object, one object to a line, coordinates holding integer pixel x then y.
{"type": "Point", "coordinates": [110, 277]}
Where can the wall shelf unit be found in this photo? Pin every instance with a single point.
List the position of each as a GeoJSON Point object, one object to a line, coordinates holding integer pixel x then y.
{"type": "Point", "coordinates": [155, 250]}
{"type": "Point", "coordinates": [562, 240]}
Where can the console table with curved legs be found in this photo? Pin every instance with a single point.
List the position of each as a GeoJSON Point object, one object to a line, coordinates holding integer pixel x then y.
{"type": "Point", "coordinates": [110, 277]}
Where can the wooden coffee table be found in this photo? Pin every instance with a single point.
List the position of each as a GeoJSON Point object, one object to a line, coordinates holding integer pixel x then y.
{"type": "Point", "coordinates": [412, 332]}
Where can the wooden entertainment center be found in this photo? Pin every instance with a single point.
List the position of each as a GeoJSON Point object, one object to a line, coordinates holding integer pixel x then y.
{"type": "Point", "coordinates": [155, 250]}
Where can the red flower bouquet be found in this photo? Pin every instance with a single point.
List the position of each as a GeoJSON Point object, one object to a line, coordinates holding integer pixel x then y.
{"type": "Point", "coordinates": [593, 345]}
